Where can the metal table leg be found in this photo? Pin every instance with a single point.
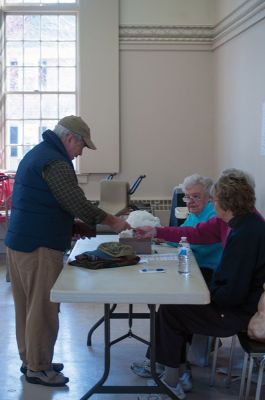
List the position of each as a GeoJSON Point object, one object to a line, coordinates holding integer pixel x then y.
{"type": "Point", "coordinates": [99, 388]}
{"type": "Point", "coordinates": [130, 316]}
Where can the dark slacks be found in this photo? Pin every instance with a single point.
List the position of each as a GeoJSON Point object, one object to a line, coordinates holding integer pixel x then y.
{"type": "Point", "coordinates": [175, 325]}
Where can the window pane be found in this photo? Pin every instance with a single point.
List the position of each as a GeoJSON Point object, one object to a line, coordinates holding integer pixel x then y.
{"type": "Point", "coordinates": [66, 105]}
{"type": "Point", "coordinates": [67, 79]}
{"type": "Point", "coordinates": [31, 79]}
{"type": "Point", "coordinates": [67, 53]}
{"type": "Point", "coordinates": [31, 132]}
{"type": "Point", "coordinates": [12, 162]}
{"type": "Point", "coordinates": [49, 79]}
{"type": "Point", "coordinates": [40, 56]}
{"type": "Point", "coordinates": [26, 149]}
{"type": "Point", "coordinates": [14, 106]}
{"type": "Point", "coordinates": [32, 27]}
{"type": "Point", "coordinates": [13, 151]}
{"type": "Point", "coordinates": [49, 106]}
{"type": "Point", "coordinates": [13, 134]}
{"type": "Point", "coordinates": [49, 53]}
{"type": "Point", "coordinates": [31, 106]}
{"type": "Point", "coordinates": [67, 30]}
{"type": "Point", "coordinates": [49, 27]}
{"type": "Point", "coordinates": [31, 53]}
{"type": "Point", "coordinates": [14, 27]}
{"type": "Point", "coordinates": [12, 1]}
{"type": "Point", "coordinates": [14, 131]}
{"type": "Point", "coordinates": [38, 1]}
{"type": "Point", "coordinates": [14, 79]}
{"type": "Point", "coordinates": [14, 53]}
{"type": "Point", "coordinates": [47, 124]}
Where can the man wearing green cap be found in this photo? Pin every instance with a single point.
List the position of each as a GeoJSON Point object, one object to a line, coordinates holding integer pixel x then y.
{"type": "Point", "coordinates": [46, 199]}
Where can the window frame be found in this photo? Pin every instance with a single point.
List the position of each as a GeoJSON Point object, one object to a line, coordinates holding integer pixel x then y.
{"type": "Point", "coordinates": [44, 9]}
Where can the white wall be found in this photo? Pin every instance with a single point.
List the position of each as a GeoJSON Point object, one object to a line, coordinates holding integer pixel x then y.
{"type": "Point", "coordinates": [167, 12]}
{"type": "Point", "coordinates": [166, 117]}
{"type": "Point", "coordinates": [189, 108]}
{"type": "Point", "coordinates": [99, 82]}
{"type": "Point", "coordinates": [239, 92]}
{"type": "Point", "coordinates": [223, 8]}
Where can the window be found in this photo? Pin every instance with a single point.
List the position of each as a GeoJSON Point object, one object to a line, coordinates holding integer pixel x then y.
{"type": "Point", "coordinates": [39, 73]}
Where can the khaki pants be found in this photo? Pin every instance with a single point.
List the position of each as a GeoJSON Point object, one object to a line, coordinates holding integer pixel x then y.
{"type": "Point", "coordinates": [37, 323]}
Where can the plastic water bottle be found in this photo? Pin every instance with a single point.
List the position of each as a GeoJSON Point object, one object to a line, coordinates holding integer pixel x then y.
{"type": "Point", "coordinates": [184, 256]}
{"type": "Point", "coordinates": [184, 242]}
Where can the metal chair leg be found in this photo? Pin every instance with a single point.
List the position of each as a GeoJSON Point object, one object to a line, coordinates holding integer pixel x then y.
{"type": "Point", "coordinates": [7, 274]}
{"type": "Point", "coordinates": [250, 370]}
{"type": "Point", "coordinates": [214, 361]}
{"type": "Point", "coordinates": [243, 377]}
{"type": "Point", "coordinates": [260, 377]}
{"type": "Point", "coordinates": [229, 371]}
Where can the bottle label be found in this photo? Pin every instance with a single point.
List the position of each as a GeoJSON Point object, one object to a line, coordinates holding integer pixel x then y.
{"type": "Point", "coordinates": [183, 261]}
{"type": "Point", "coordinates": [183, 251]}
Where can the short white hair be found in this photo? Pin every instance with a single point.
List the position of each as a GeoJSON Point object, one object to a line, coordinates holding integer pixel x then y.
{"type": "Point", "coordinates": [239, 173]}
{"type": "Point", "coordinates": [197, 179]}
{"type": "Point", "coordinates": [62, 132]}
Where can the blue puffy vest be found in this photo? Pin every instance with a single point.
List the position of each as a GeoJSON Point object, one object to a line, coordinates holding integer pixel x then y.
{"type": "Point", "coordinates": [37, 219]}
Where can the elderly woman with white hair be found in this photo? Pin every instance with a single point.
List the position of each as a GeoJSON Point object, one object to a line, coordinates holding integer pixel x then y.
{"type": "Point", "coordinates": [196, 190]}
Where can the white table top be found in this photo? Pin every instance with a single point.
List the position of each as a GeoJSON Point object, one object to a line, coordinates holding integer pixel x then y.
{"type": "Point", "coordinates": [126, 285]}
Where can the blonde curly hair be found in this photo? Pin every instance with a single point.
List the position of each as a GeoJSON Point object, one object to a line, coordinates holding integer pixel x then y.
{"type": "Point", "coordinates": [234, 193]}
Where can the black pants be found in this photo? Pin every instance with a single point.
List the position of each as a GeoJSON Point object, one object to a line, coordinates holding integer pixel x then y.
{"type": "Point", "coordinates": [175, 325]}
{"type": "Point", "coordinates": [207, 273]}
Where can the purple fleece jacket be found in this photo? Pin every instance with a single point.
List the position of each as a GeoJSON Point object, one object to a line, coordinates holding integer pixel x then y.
{"type": "Point", "coordinates": [213, 230]}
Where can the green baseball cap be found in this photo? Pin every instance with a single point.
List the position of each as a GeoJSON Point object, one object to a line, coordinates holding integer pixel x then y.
{"type": "Point", "coordinates": [110, 250]}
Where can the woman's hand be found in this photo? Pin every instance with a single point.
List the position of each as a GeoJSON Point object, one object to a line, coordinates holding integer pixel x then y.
{"type": "Point", "coordinates": [144, 232]}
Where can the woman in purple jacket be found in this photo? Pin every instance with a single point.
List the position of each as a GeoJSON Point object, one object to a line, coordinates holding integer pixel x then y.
{"type": "Point", "coordinates": [214, 230]}
{"type": "Point", "coordinates": [235, 289]}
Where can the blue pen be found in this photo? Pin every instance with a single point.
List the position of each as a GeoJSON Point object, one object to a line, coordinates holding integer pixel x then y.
{"type": "Point", "coordinates": [151, 270]}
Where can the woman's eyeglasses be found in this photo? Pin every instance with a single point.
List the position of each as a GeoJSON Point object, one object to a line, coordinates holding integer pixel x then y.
{"type": "Point", "coordinates": [193, 197]}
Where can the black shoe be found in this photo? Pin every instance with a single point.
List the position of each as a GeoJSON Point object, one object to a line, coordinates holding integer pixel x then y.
{"type": "Point", "coordinates": [46, 378]}
{"type": "Point", "coordinates": [57, 367]}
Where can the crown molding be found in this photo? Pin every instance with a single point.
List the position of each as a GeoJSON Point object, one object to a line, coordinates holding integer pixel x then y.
{"type": "Point", "coordinates": [242, 18]}
{"type": "Point", "coordinates": [165, 33]}
{"type": "Point", "coordinates": [206, 37]}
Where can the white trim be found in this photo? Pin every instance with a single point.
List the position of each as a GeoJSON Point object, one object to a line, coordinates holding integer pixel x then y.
{"type": "Point", "coordinates": [160, 33]}
{"type": "Point", "coordinates": [206, 37]}
{"type": "Point", "coordinates": [43, 8]}
{"type": "Point", "coordinates": [229, 28]}
{"type": "Point", "coordinates": [165, 46]}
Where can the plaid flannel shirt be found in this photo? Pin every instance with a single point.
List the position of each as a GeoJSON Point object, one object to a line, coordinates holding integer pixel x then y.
{"type": "Point", "coordinates": [63, 184]}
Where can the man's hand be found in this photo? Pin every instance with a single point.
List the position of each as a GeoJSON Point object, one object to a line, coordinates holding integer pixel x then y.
{"type": "Point", "coordinates": [144, 232]}
{"type": "Point", "coordinates": [82, 230]}
{"type": "Point", "coordinates": [116, 223]}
